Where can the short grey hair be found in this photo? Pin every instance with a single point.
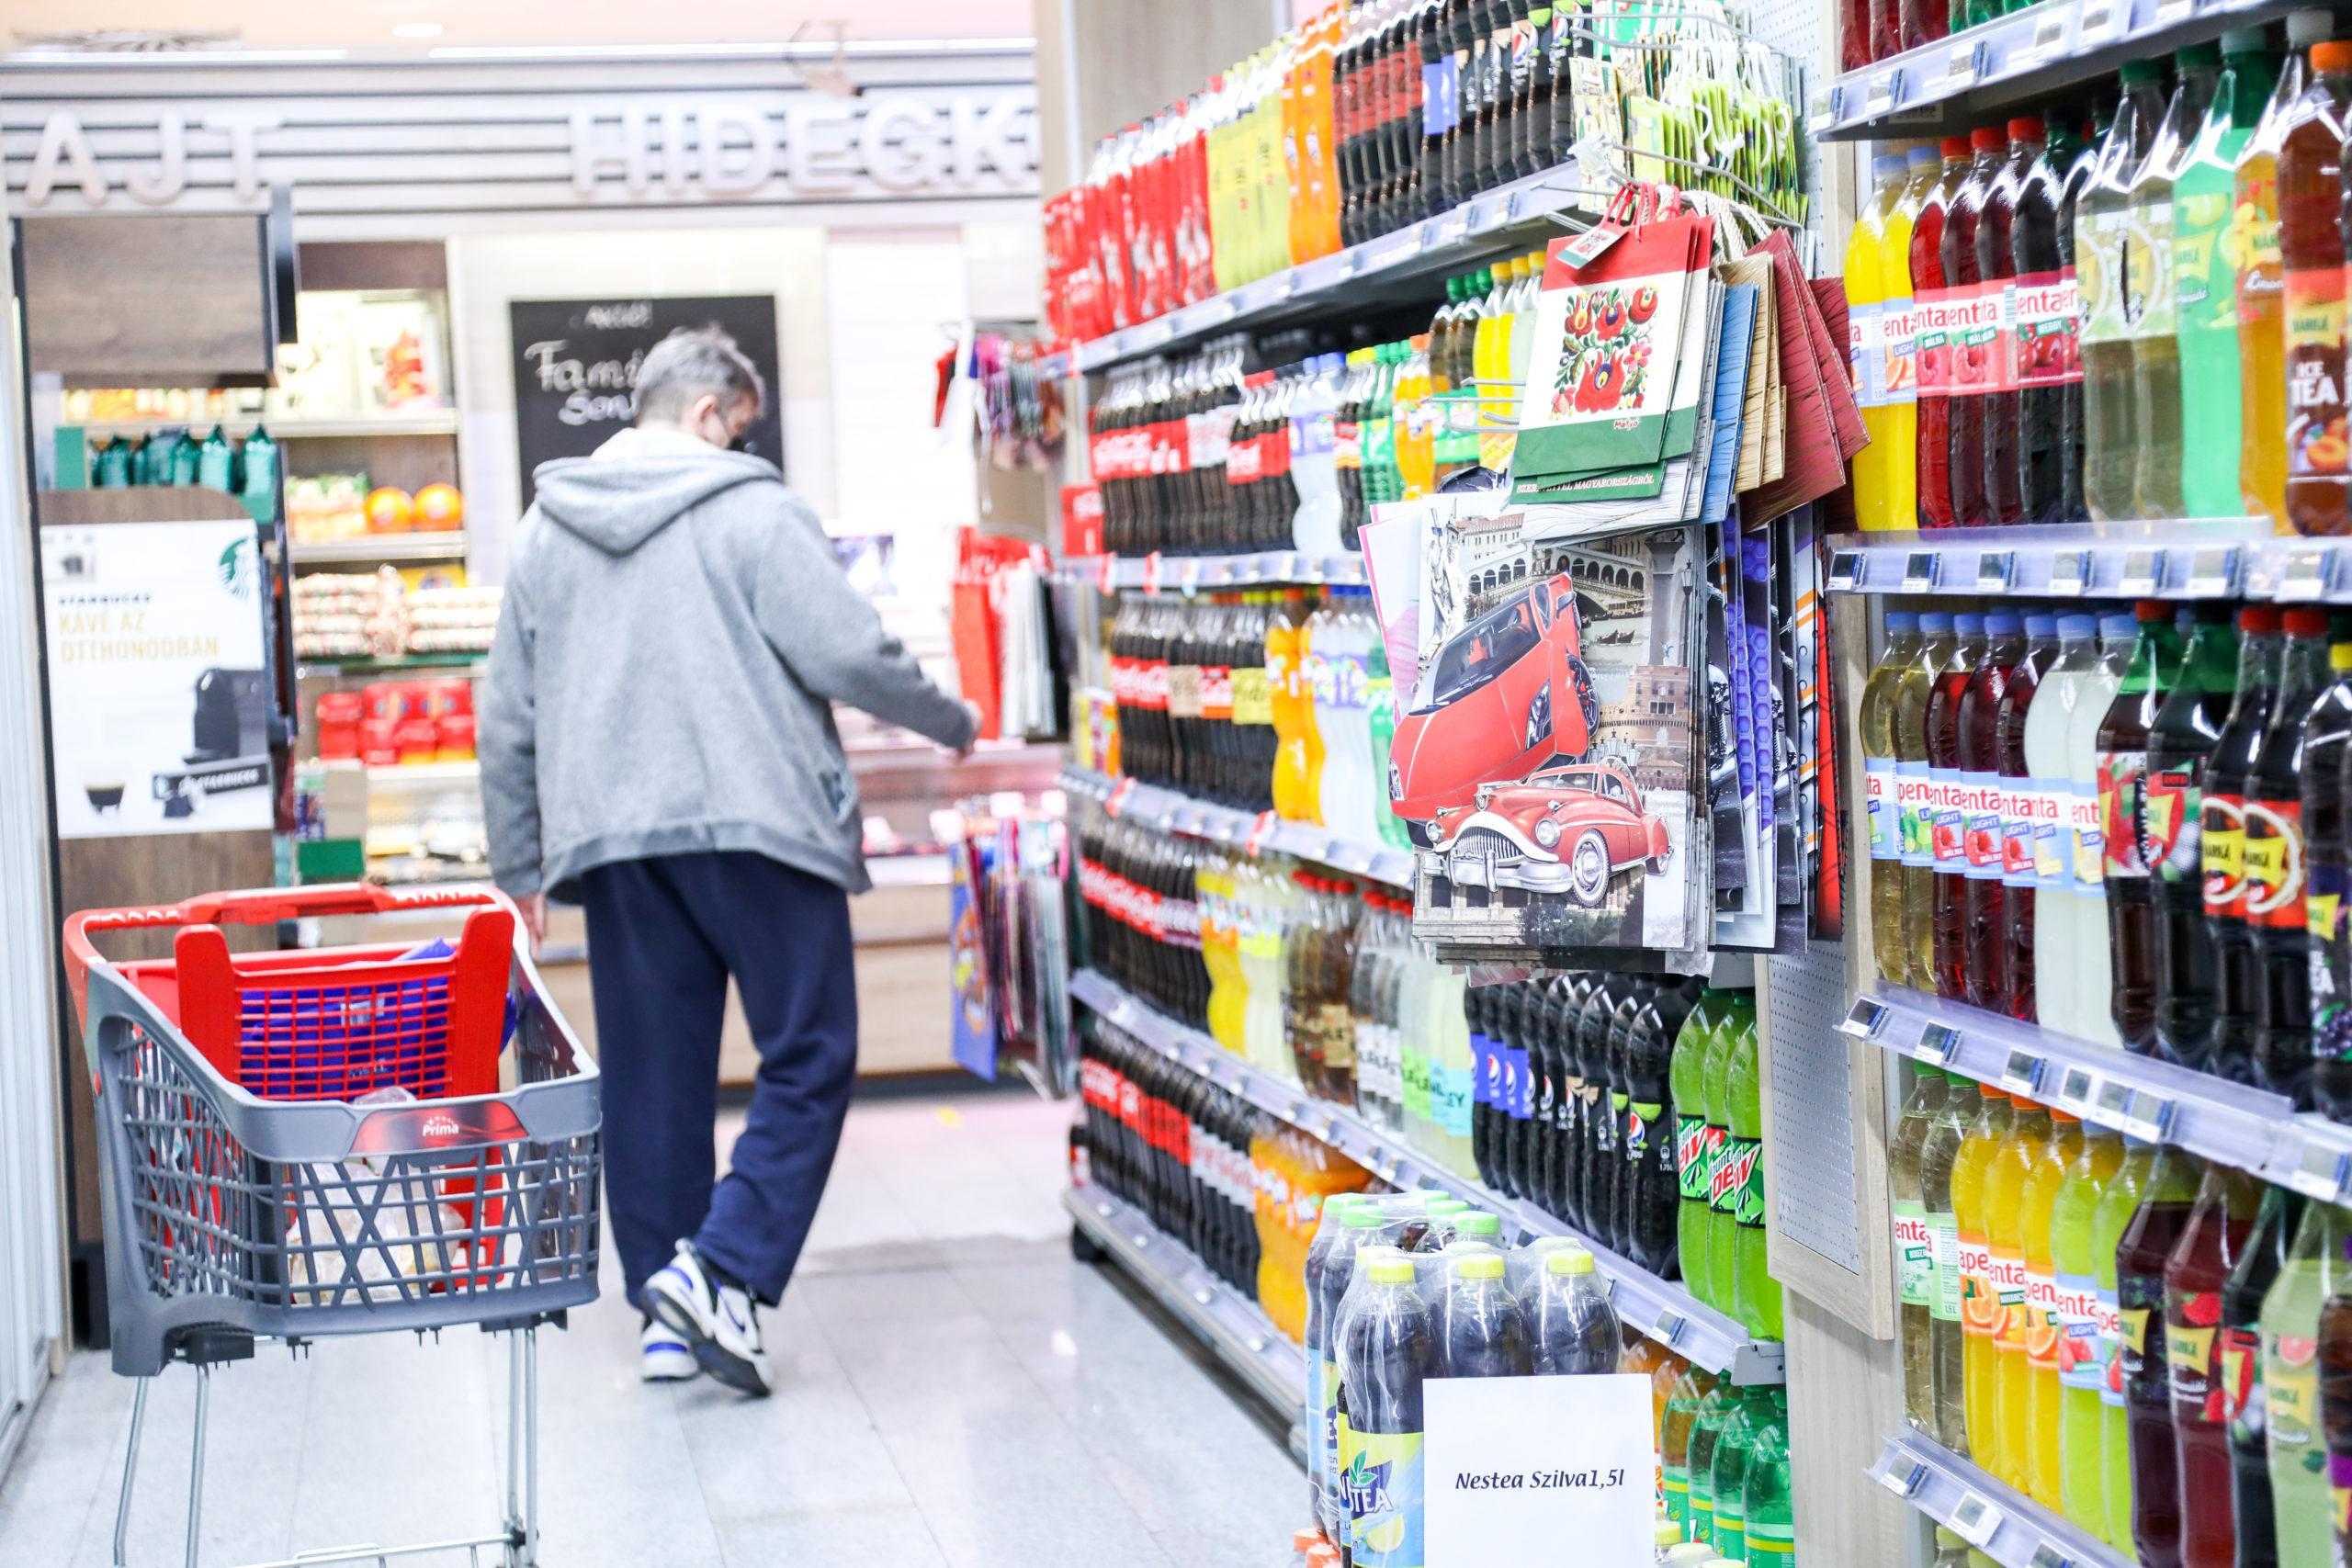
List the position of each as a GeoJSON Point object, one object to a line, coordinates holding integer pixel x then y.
{"type": "Point", "coordinates": [692, 363]}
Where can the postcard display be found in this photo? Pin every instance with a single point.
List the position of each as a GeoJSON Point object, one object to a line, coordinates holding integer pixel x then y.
{"type": "Point", "coordinates": [1617, 746]}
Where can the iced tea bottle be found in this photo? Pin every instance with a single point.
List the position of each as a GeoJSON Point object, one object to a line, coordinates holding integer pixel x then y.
{"type": "Point", "coordinates": [1980, 1314]}
{"type": "Point", "coordinates": [2118, 1206]}
{"type": "Point", "coordinates": [2261, 283]}
{"type": "Point", "coordinates": [2141, 1257]}
{"type": "Point", "coordinates": [1996, 268]}
{"type": "Point", "coordinates": [2014, 984]}
{"type": "Point", "coordinates": [1948, 834]}
{"type": "Point", "coordinates": [1938, 1157]}
{"type": "Point", "coordinates": [1930, 304]}
{"type": "Point", "coordinates": [2276, 861]}
{"type": "Point", "coordinates": [2057, 976]}
{"type": "Point", "coordinates": [2180, 744]}
{"type": "Point", "coordinates": [2237, 1369]}
{"type": "Point", "coordinates": [1879, 719]}
{"type": "Point", "coordinates": [2122, 775]}
{"type": "Point", "coordinates": [1915, 1256]}
{"type": "Point", "coordinates": [2152, 296]}
{"type": "Point", "coordinates": [1981, 833]}
{"type": "Point", "coordinates": [2219, 1224]}
{"type": "Point", "coordinates": [2079, 1346]}
{"type": "Point", "coordinates": [2311, 248]}
{"type": "Point", "coordinates": [2238, 969]}
{"type": "Point", "coordinates": [2078, 156]}
{"type": "Point", "coordinates": [2103, 254]}
{"type": "Point", "coordinates": [1973, 311]}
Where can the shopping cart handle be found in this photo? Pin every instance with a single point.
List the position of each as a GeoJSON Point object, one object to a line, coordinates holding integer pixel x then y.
{"type": "Point", "coordinates": [256, 907]}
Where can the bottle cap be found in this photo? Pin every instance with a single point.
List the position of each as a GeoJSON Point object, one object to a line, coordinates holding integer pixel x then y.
{"type": "Point", "coordinates": [1968, 623]}
{"type": "Point", "coordinates": [1902, 620]}
{"type": "Point", "coordinates": [1992, 1091]}
{"type": "Point", "coordinates": [1935, 623]}
{"type": "Point", "coordinates": [1955, 147]}
{"type": "Point", "coordinates": [2078, 624]}
{"type": "Point", "coordinates": [2118, 626]}
{"type": "Point", "coordinates": [1393, 1271]}
{"type": "Point", "coordinates": [2026, 127]}
{"type": "Point", "coordinates": [2244, 40]}
{"type": "Point", "coordinates": [1479, 1222]}
{"type": "Point", "coordinates": [2041, 622]}
{"type": "Point", "coordinates": [1887, 166]}
{"type": "Point", "coordinates": [1438, 1206]}
{"type": "Point", "coordinates": [2306, 621]}
{"type": "Point", "coordinates": [1479, 1266]}
{"type": "Point", "coordinates": [1569, 1261]}
{"type": "Point", "coordinates": [1987, 138]}
{"type": "Point", "coordinates": [2003, 623]}
{"type": "Point", "coordinates": [1948, 1539]}
{"type": "Point", "coordinates": [2260, 620]}
{"type": "Point", "coordinates": [1921, 157]}
{"type": "Point", "coordinates": [2153, 610]}
{"type": "Point", "coordinates": [2058, 1115]}
{"type": "Point", "coordinates": [1668, 1535]}
{"type": "Point", "coordinates": [2021, 1102]}
{"type": "Point", "coordinates": [2141, 73]}
{"type": "Point", "coordinates": [1305, 1539]}
{"type": "Point", "coordinates": [2305, 29]}
{"type": "Point", "coordinates": [1363, 1216]}
{"type": "Point", "coordinates": [2197, 57]}
{"type": "Point", "coordinates": [2339, 656]}
{"type": "Point", "coordinates": [2331, 54]}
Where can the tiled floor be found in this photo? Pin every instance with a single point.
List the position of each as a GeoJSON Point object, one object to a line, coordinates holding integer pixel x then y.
{"type": "Point", "coordinates": [954, 1391]}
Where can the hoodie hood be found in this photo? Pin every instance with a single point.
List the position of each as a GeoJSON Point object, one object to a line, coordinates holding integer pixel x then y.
{"type": "Point", "coordinates": [631, 489]}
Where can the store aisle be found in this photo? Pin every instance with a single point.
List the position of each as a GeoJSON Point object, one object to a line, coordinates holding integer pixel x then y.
{"type": "Point", "coordinates": [953, 1389]}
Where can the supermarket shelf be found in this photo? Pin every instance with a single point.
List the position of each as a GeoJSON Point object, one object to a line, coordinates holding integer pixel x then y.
{"type": "Point", "coordinates": [472, 663]}
{"type": "Point", "coordinates": [2234, 1123]}
{"type": "Point", "coordinates": [1400, 266]}
{"type": "Point", "coordinates": [2220, 557]}
{"type": "Point", "coordinates": [449, 544]}
{"type": "Point", "coordinates": [436, 422]}
{"type": "Point", "coordinates": [1173, 813]}
{"type": "Point", "coordinates": [1185, 573]}
{"type": "Point", "coordinates": [1234, 1327]}
{"type": "Point", "coordinates": [2010, 1527]}
{"type": "Point", "coordinates": [1960, 82]}
{"type": "Point", "coordinates": [1664, 1311]}
{"type": "Point", "coordinates": [424, 773]}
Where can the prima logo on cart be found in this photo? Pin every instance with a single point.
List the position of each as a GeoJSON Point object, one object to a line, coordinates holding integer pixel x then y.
{"type": "Point", "coordinates": [441, 1127]}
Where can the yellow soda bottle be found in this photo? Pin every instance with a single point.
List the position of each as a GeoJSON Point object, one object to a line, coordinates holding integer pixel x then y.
{"type": "Point", "coordinates": [1898, 337]}
{"type": "Point", "coordinates": [1221, 950]}
{"type": "Point", "coordinates": [1416, 418]}
{"type": "Point", "coordinates": [1865, 292]}
{"type": "Point", "coordinates": [2005, 1184]}
{"type": "Point", "coordinates": [1980, 1315]}
{"type": "Point", "coordinates": [2082, 1360]}
{"type": "Point", "coordinates": [1299, 750]}
{"type": "Point", "coordinates": [2041, 1327]}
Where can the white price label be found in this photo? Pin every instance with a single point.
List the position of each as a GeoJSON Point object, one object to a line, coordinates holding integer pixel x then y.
{"type": "Point", "coordinates": [1975, 1520]}
{"type": "Point", "coordinates": [1885, 92]}
{"type": "Point", "coordinates": [2308, 574]}
{"type": "Point", "coordinates": [1865, 1019]}
{"type": "Point", "coordinates": [2213, 572]}
{"type": "Point", "coordinates": [1962, 65]}
{"type": "Point", "coordinates": [1994, 570]}
{"type": "Point", "coordinates": [2022, 1072]}
{"type": "Point", "coordinates": [2070, 573]}
{"type": "Point", "coordinates": [1845, 570]}
{"type": "Point", "coordinates": [1921, 569]}
{"type": "Point", "coordinates": [1939, 1043]}
{"type": "Point", "coordinates": [2049, 34]}
{"type": "Point", "coordinates": [2144, 572]}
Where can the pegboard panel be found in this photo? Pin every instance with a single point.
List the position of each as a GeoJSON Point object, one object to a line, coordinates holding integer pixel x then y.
{"type": "Point", "coordinates": [1801, 29]}
{"type": "Point", "coordinates": [1816, 1202]}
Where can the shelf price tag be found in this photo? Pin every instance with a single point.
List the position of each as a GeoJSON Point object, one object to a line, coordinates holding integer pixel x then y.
{"type": "Point", "coordinates": [2103, 22]}
{"type": "Point", "coordinates": [2022, 1072]}
{"type": "Point", "coordinates": [1115, 803]}
{"type": "Point", "coordinates": [1962, 65]}
{"type": "Point", "coordinates": [2049, 39]}
{"type": "Point", "coordinates": [1903, 1476]}
{"type": "Point", "coordinates": [1845, 571]}
{"type": "Point", "coordinates": [2150, 1118]}
{"type": "Point", "coordinates": [1151, 572]}
{"type": "Point", "coordinates": [1260, 832]}
{"type": "Point", "coordinates": [2213, 572]}
{"type": "Point", "coordinates": [2048, 1556]}
{"type": "Point", "coordinates": [1223, 829]}
{"type": "Point", "coordinates": [1865, 1017]}
{"type": "Point", "coordinates": [1994, 570]}
{"type": "Point", "coordinates": [2113, 1105]}
{"type": "Point", "coordinates": [2070, 574]}
{"type": "Point", "coordinates": [2309, 574]}
{"type": "Point", "coordinates": [1669, 1325]}
{"type": "Point", "coordinates": [2079, 1087]}
{"type": "Point", "coordinates": [2144, 572]}
{"type": "Point", "coordinates": [1282, 567]}
{"type": "Point", "coordinates": [1920, 569]}
{"type": "Point", "coordinates": [2172, 13]}
{"type": "Point", "coordinates": [2318, 1172]}
{"type": "Point", "coordinates": [1392, 252]}
{"type": "Point", "coordinates": [1940, 1042]}
{"type": "Point", "coordinates": [1975, 1520]}
{"type": "Point", "coordinates": [1885, 92]}
{"type": "Point", "coordinates": [1824, 113]}
{"type": "Point", "coordinates": [1188, 580]}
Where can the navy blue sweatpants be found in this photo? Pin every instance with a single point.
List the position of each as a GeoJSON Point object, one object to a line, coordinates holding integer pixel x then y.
{"type": "Point", "coordinates": [663, 935]}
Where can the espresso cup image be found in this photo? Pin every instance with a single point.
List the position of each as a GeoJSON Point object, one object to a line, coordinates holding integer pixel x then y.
{"type": "Point", "coordinates": [105, 792]}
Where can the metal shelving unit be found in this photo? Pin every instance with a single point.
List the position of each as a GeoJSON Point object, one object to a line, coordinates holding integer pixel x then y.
{"type": "Point", "coordinates": [1660, 1308]}
{"type": "Point", "coordinates": [444, 544]}
{"type": "Point", "coordinates": [1184, 574]}
{"type": "Point", "coordinates": [2238, 1125]}
{"type": "Point", "coordinates": [1972, 77]}
{"type": "Point", "coordinates": [1232, 1325]}
{"type": "Point", "coordinates": [433, 422]}
{"type": "Point", "coordinates": [1172, 813]}
{"type": "Point", "coordinates": [2220, 557]}
{"type": "Point", "coordinates": [2007, 1526]}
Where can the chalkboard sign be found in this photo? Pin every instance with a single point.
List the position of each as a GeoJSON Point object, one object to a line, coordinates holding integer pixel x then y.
{"type": "Point", "coordinates": [575, 368]}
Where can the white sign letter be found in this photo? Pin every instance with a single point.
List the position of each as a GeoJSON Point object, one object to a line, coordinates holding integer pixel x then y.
{"type": "Point", "coordinates": [818, 145]}
{"type": "Point", "coordinates": [170, 179]}
{"type": "Point", "coordinates": [999, 137]}
{"type": "Point", "coordinates": [61, 138]}
{"type": "Point", "coordinates": [244, 155]}
{"type": "Point", "coordinates": [712, 122]}
{"type": "Point", "coordinates": [914, 161]}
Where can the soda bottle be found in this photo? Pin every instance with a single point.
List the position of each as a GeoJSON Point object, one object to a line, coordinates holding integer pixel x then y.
{"type": "Point", "coordinates": [1755, 1294]}
{"type": "Point", "coordinates": [1674, 1440]}
{"type": "Point", "coordinates": [2141, 1257]}
{"type": "Point", "coordinates": [1915, 786]}
{"type": "Point", "coordinates": [2019, 801]}
{"type": "Point", "coordinates": [1767, 1500]}
{"type": "Point", "coordinates": [2180, 742]}
{"type": "Point", "coordinates": [1866, 293]}
{"type": "Point", "coordinates": [2275, 858]}
{"type": "Point", "coordinates": [1481, 1332]}
{"type": "Point", "coordinates": [2082, 1347]}
{"type": "Point", "coordinates": [1981, 1315]}
{"type": "Point", "coordinates": [2047, 317]}
{"type": "Point", "coordinates": [1382, 1357]}
{"type": "Point", "coordinates": [1590, 1050]}
{"type": "Point", "coordinates": [2122, 775]}
{"type": "Point", "coordinates": [2325, 754]}
{"type": "Point", "coordinates": [1972, 318]}
{"type": "Point", "coordinates": [1915, 1256]}
{"type": "Point", "coordinates": [1298, 754]}
{"type": "Point", "coordinates": [2261, 283]}
{"type": "Point", "coordinates": [1997, 265]}
{"type": "Point", "coordinates": [2118, 1205]}
{"type": "Point", "coordinates": [2311, 246]}
{"type": "Point", "coordinates": [2200, 1264]}
{"type": "Point", "coordinates": [1981, 917]}
{"type": "Point", "coordinates": [1720, 1406]}
{"type": "Point", "coordinates": [1574, 1329]}
{"type": "Point", "coordinates": [1563, 1006]}
{"type": "Point", "coordinates": [2006, 1176]}
{"type": "Point", "coordinates": [1652, 1223]}
{"type": "Point", "coordinates": [2103, 257]}
{"type": "Point", "coordinates": [1938, 1158]}
{"type": "Point", "coordinates": [1486, 1072]}
{"type": "Point", "coordinates": [1898, 335]}
{"type": "Point", "coordinates": [1948, 832]}
{"type": "Point", "coordinates": [2313, 1270]}
{"type": "Point", "coordinates": [2047, 724]}
{"type": "Point", "coordinates": [1734, 1162]}
{"type": "Point", "coordinates": [1931, 308]}
{"type": "Point", "coordinates": [2237, 968]}
{"type": "Point", "coordinates": [1879, 719]}
{"type": "Point", "coordinates": [1346, 1223]}
{"type": "Point", "coordinates": [2238, 1370]}
{"type": "Point", "coordinates": [2042, 1329]}
{"type": "Point", "coordinates": [2094, 1008]}
{"type": "Point", "coordinates": [1694, 1150]}
{"type": "Point", "coordinates": [2150, 289]}
{"type": "Point", "coordinates": [2080, 163]}
{"type": "Point", "coordinates": [1622, 1024]}
{"type": "Point", "coordinates": [2205, 279]}
{"type": "Point", "coordinates": [1729, 1481]}
{"type": "Point", "coordinates": [1952, 1551]}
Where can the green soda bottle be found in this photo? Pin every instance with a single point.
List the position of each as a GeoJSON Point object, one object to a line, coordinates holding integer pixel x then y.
{"type": "Point", "coordinates": [1769, 1516]}
{"type": "Point", "coordinates": [1381, 705]}
{"type": "Point", "coordinates": [1720, 1406]}
{"type": "Point", "coordinates": [2204, 194]}
{"type": "Point", "coordinates": [1756, 1295]}
{"type": "Point", "coordinates": [2299, 1494]}
{"type": "Point", "coordinates": [2109, 1220]}
{"type": "Point", "coordinates": [1951, 1551]}
{"type": "Point", "coordinates": [1914, 1255]}
{"type": "Point", "coordinates": [1723, 1188]}
{"type": "Point", "coordinates": [1728, 1482]}
{"type": "Point", "coordinates": [2083, 1359]}
{"type": "Point", "coordinates": [1946, 1339]}
{"type": "Point", "coordinates": [1682, 1403]}
{"type": "Point", "coordinates": [1693, 1149]}
{"type": "Point", "coordinates": [1381, 480]}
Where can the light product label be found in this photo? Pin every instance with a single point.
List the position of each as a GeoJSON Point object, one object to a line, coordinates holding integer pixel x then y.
{"type": "Point", "coordinates": [2005, 1269]}
{"type": "Point", "coordinates": [1980, 1297]}
{"type": "Point", "coordinates": [1886, 823]}
{"type": "Point", "coordinates": [2016, 833]}
{"type": "Point", "coordinates": [2081, 1350]}
{"type": "Point", "coordinates": [1930, 342]}
{"type": "Point", "coordinates": [1947, 829]}
{"type": "Point", "coordinates": [1981, 830]}
{"type": "Point", "coordinates": [2090, 842]}
{"type": "Point", "coordinates": [2051, 802]}
{"type": "Point", "coordinates": [2110, 1349]}
{"type": "Point", "coordinates": [1915, 1256]}
{"type": "Point", "coordinates": [1911, 791]}
{"type": "Point", "coordinates": [1899, 351]}
{"type": "Point", "coordinates": [2043, 1333]}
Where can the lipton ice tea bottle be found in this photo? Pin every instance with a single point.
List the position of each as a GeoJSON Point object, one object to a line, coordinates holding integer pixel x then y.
{"type": "Point", "coordinates": [2253, 238]}
{"type": "Point", "coordinates": [1980, 1308]}
{"type": "Point", "coordinates": [2056, 975]}
{"type": "Point", "coordinates": [2043, 1329]}
{"type": "Point", "coordinates": [1931, 343]}
{"type": "Point", "coordinates": [2311, 248]}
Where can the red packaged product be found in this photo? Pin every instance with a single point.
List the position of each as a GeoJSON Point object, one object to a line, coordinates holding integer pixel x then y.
{"type": "Point", "coordinates": [379, 742]}
{"type": "Point", "coordinates": [457, 737]}
{"type": "Point", "coordinates": [386, 700]}
{"type": "Point", "coordinates": [417, 740]}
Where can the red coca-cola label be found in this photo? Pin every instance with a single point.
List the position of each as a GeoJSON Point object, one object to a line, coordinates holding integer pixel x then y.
{"type": "Point", "coordinates": [2048, 329]}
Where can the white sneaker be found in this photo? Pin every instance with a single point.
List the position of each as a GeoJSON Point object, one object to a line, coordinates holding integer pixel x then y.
{"type": "Point", "coordinates": [717, 1321]}
{"type": "Point", "coordinates": [667, 1357]}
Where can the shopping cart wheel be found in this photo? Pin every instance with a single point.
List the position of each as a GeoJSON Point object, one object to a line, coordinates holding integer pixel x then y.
{"type": "Point", "coordinates": [1084, 1247]}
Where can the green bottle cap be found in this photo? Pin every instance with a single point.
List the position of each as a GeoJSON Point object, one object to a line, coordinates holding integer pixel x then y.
{"type": "Point", "coordinates": [2244, 40]}
{"type": "Point", "coordinates": [1479, 1225]}
{"type": "Point", "coordinates": [1569, 1261]}
{"type": "Point", "coordinates": [2141, 73]}
{"type": "Point", "coordinates": [1478, 1266]}
{"type": "Point", "coordinates": [1393, 1271]}
{"type": "Point", "coordinates": [1362, 1216]}
{"type": "Point", "coordinates": [2197, 57]}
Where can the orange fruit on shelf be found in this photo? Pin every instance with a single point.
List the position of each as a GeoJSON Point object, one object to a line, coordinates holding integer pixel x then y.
{"type": "Point", "coordinates": [439, 506]}
{"type": "Point", "coordinates": [390, 510]}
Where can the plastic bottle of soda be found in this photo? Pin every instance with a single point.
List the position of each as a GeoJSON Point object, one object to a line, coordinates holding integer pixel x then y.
{"type": "Point", "coordinates": [1347, 1225]}
{"type": "Point", "coordinates": [1561, 1009]}
{"type": "Point", "coordinates": [2220, 1224]}
{"type": "Point", "coordinates": [1720, 1406]}
{"type": "Point", "coordinates": [2261, 283]}
{"type": "Point", "coordinates": [2118, 1205]}
{"type": "Point", "coordinates": [2043, 1330]}
{"type": "Point", "coordinates": [1487, 1069]}
{"type": "Point", "coordinates": [1623, 1023]}
{"type": "Point", "coordinates": [2141, 1255]}
{"type": "Point", "coordinates": [2093, 1007]}
{"type": "Point", "coordinates": [2314, 1269]}
{"type": "Point", "coordinates": [2082, 1367]}
{"type": "Point", "coordinates": [1694, 1150]}
{"type": "Point", "coordinates": [2151, 288]}
{"type": "Point", "coordinates": [2102, 259]}
{"type": "Point", "coordinates": [2081, 164]}
{"type": "Point", "coordinates": [1574, 1329]}
{"type": "Point", "coordinates": [1729, 1480]}
{"type": "Point", "coordinates": [2327, 747]}
{"type": "Point", "coordinates": [1755, 1294]}
{"type": "Point", "coordinates": [2311, 247]}
{"type": "Point", "coordinates": [2180, 744]}
{"type": "Point", "coordinates": [2276, 861]}
{"type": "Point", "coordinates": [1938, 1158]}
{"type": "Point", "coordinates": [1914, 790]}
{"type": "Point", "coordinates": [2123, 761]}
{"type": "Point", "coordinates": [1930, 305]}
{"type": "Point", "coordinates": [1996, 266]}
{"type": "Point", "coordinates": [1382, 1359]}
{"type": "Point", "coordinates": [1898, 337]}
{"type": "Point", "coordinates": [1973, 329]}
{"type": "Point", "coordinates": [2019, 798]}
{"type": "Point", "coordinates": [1948, 833]}
{"type": "Point", "coordinates": [1979, 1309]}
{"type": "Point", "coordinates": [2205, 277]}
{"type": "Point", "coordinates": [1599, 1141]}
{"type": "Point", "coordinates": [1481, 1333]}
{"type": "Point", "coordinates": [1733, 1163]}
{"type": "Point", "coordinates": [2046, 728]}
{"type": "Point", "coordinates": [1651, 1223]}
{"type": "Point", "coordinates": [2238, 969]}
{"type": "Point", "coordinates": [1982, 895]}
{"type": "Point", "coordinates": [2237, 1371]}
{"type": "Point", "coordinates": [1915, 1256]}
{"type": "Point", "coordinates": [1878, 731]}
{"type": "Point", "coordinates": [1866, 294]}
{"type": "Point", "coordinates": [2046, 318]}
{"type": "Point", "coordinates": [1691, 1390]}
{"type": "Point", "coordinates": [2006, 1178]}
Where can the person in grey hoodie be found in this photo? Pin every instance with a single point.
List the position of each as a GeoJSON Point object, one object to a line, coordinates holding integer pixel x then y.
{"type": "Point", "coordinates": [657, 742]}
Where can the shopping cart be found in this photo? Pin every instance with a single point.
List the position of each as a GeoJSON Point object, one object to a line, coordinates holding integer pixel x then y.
{"type": "Point", "coordinates": [336, 1141]}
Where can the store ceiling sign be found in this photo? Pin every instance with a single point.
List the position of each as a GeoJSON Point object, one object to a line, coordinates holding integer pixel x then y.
{"type": "Point", "coordinates": [442, 137]}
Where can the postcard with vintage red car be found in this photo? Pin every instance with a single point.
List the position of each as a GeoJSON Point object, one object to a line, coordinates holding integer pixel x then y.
{"type": "Point", "coordinates": [1545, 764]}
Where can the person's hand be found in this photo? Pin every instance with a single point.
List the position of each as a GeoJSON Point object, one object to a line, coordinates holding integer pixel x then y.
{"type": "Point", "coordinates": [533, 910]}
{"type": "Point", "coordinates": [977, 717]}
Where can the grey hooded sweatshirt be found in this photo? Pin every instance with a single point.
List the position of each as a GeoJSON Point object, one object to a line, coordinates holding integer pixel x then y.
{"type": "Point", "coordinates": [675, 627]}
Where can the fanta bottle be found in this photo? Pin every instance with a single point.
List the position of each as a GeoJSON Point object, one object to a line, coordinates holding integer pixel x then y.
{"type": "Point", "coordinates": [1213, 880]}
{"type": "Point", "coordinates": [2117, 1203]}
{"type": "Point", "coordinates": [2042, 1327]}
{"type": "Point", "coordinates": [1865, 293]}
{"type": "Point", "coordinates": [1298, 749]}
{"type": "Point", "coordinates": [2083, 1361]}
{"type": "Point", "coordinates": [2005, 1191]}
{"type": "Point", "coordinates": [1980, 1303]}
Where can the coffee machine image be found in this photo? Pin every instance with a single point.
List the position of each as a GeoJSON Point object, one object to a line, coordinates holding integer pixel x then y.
{"type": "Point", "coordinates": [229, 747]}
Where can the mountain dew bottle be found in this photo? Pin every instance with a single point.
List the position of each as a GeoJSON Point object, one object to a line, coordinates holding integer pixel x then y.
{"type": "Point", "coordinates": [1380, 704]}
{"type": "Point", "coordinates": [1770, 1519]}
